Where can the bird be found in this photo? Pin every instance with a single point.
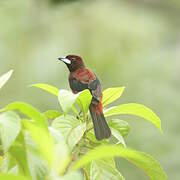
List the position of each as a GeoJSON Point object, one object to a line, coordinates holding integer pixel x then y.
{"type": "Point", "coordinates": [81, 78]}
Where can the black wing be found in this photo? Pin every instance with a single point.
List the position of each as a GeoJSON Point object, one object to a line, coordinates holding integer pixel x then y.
{"type": "Point", "coordinates": [96, 91]}
{"type": "Point", "coordinates": [94, 87]}
{"type": "Point", "coordinates": [76, 85]}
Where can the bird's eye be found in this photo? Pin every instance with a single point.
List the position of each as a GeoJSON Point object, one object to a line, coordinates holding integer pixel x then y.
{"type": "Point", "coordinates": [73, 58]}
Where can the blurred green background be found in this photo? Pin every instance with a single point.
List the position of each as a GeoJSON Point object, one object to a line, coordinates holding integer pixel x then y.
{"type": "Point", "coordinates": [131, 43]}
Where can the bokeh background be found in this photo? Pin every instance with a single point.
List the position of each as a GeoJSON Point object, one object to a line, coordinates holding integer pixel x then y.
{"type": "Point", "coordinates": [131, 43]}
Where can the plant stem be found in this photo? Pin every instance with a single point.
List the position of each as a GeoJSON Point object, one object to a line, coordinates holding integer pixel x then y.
{"type": "Point", "coordinates": [86, 174]}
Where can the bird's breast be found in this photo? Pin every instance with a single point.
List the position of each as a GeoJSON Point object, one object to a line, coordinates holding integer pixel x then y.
{"type": "Point", "coordinates": [84, 75]}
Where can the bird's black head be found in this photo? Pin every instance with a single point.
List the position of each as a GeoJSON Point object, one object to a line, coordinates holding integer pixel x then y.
{"type": "Point", "coordinates": [73, 62]}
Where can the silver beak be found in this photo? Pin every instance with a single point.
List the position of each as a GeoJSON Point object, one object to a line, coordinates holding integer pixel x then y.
{"type": "Point", "coordinates": [65, 60]}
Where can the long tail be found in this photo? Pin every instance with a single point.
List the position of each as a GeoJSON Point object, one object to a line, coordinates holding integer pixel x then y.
{"type": "Point", "coordinates": [101, 128]}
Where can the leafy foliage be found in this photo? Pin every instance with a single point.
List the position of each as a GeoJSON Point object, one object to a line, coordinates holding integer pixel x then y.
{"type": "Point", "coordinates": [111, 94]}
{"type": "Point", "coordinates": [4, 78]}
{"type": "Point", "coordinates": [61, 144]}
{"type": "Point", "coordinates": [141, 160]}
{"type": "Point", "coordinates": [104, 169]}
{"type": "Point", "coordinates": [137, 110]}
{"type": "Point", "coordinates": [10, 126]}
{"type": "Point", "coordinates": [46, 87]}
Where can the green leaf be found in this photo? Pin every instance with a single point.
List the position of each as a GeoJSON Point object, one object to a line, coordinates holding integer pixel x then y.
{"type": "Point", "coordinates": [29, 111]}
{"type": "Point", "coordinates": [18, 151]}
{"type": "Point", "coordinates": [121, 126]}
{"type": "Point", "coordinates": [10, 126]}
{"type": "Point", "coordinates": [38, 167]}
{"type": "Point", "coordinates": [8, 164]}
{"type": "Point", "coordinates": [4, 78]}
{"type": "Point", "coordinates": [66, 100]}
{"type": "Point", "coordinates": [111, 94]}
{"type": "Point", "coordinates": [64, 124]}
{"type": "Point", "coordinates": [48, 88]}
{"type": "Point", "coordinates": [118, 136]}
{"type": "Point", "coordinates": [71, 129]}
{"type": "Point", "coordinates": [68, 176]}
{"type": "Point", "coordinates": [76, 134]}
{"type": "Point", "coordinates": [145, 162]}
{"type": "Point", "coordinates": [61, 155]}
{"type": "Point", "coordinates": [52, 114]}
{"type": "Point", "coordinates": [42, 138]}
{"type": "Point", "coordinates": [73, 175]}
{"type": "Point", "coordinates": [137, 110]}
{"type": "Point", "coordinates": [84, 101]}
{"type": "Point", "coordinates": [90, 135]}
{"type": "Point", "coordinates": [10, 177]}
{"type": "Point", "coordinates": [19, 154]}
{"type": "Point", "coordinates": [104, 169]}
{"type": "Point", "coordinates": [14, 170]}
